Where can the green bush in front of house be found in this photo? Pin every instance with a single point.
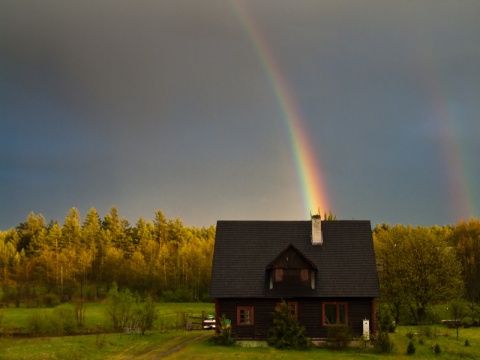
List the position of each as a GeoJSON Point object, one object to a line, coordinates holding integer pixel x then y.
{"type": "Point", "coordinates": [383, 343]}
{"type": "Point", "coordinates": [224, 337]}
{"type": "Point", "coordinates": [286, 332]}
{"type": "Point", "coordinates": [339, 337]}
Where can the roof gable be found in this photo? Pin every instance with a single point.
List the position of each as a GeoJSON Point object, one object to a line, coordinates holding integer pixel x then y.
{"type": "Point", "coordinates": [345, 262]}
{"type": "Point", "coordinates": [290, 258]}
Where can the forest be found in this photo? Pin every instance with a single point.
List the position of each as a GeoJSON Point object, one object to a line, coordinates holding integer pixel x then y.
{"type": "Point", "coordinates": [422, 268]}
{"type": "Point", "coordinates": [43, 264]}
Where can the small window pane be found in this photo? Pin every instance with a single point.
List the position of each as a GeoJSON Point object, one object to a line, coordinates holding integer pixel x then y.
{"type": "Point", "coordinates": [342, 312]}
{"type": "Point", "coordinates": [304, 274]}
{"type": "Point", "coordinates": [293, 308]}
{"type": "Point", "coordinates": [245, 315]}
{"type": "Point", "coordinates": [278, 275]}
{"type": "Point", "coordinates": [330, 313]}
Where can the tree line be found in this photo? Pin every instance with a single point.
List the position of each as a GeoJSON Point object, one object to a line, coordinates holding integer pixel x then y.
{"type": "Point", "coordinates": [43, 263]}
{"type": "Point", "coordinates": [52, 262]}
{"type": "Point", "coordinates": [422, 267]}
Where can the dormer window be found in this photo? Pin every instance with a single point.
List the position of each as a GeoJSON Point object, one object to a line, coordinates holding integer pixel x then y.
{"type": "Point", "coordinates": [279, 275]}
{"type": "Point", "coordinates": [291, 271]}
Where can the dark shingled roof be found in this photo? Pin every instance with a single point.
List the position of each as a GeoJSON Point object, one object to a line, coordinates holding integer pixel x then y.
{"type": "Point", "coordinates": [345, 261]}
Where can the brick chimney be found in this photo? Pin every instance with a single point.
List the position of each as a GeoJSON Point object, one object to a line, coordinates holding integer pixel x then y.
{"type": "Point", "coordinates": [317, 238]}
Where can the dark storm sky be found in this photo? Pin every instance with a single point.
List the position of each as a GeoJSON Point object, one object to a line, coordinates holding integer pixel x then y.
{"type": "Point", "coordinates": [150, 105]}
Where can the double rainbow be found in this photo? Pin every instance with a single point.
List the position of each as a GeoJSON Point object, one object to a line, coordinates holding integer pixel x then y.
{"type": "Point", "coordinates": [447, 119]}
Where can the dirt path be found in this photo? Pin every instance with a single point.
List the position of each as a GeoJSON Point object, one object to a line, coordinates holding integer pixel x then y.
{"type": "Point", "coordinates": [149, 353]}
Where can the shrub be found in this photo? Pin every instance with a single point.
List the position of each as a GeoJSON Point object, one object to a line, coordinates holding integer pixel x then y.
{"type": "Point", "coordinates": [411, 348]}
{"type": "Point", "coordinates": [225, 335]}
{"type": "Point", "coordinates": [145, 314]}
{"type": "Point", "coordinates": [387, 325]}
{"type": "Point", "coordinates": [165, 323]}
{"type": "Point", "coordinates": [286, 331]}
{"type": "Point", "coordinates": [339, 336]}
{"type": "Point", "coordinates": [427, 331]}
{"type": "Point", "coordinates": [119, 306]}
{"type": "Point", "coordinates": [90, 293]}
{"type": "Point", "coordinates": [179, 296]}
{"type": "Point", "coordinates": [65, 316]}
{"type": "Point", "coordinates": [127, 312]}
{"type": "Point", "coordinates": [386, 321]}
{"type": "Point", "coordinates": [467, 321]}
{"type": "Point", "coordinates": [59, 322]}
{"type": "Point", "coordinates": [431, 317]}
{"type": "Point", "coordinates": [10, 295]}
{"type": "Point", "coordinates": [51, 300]}
{"type": "Point", "coordinates": [41, 323]}
{"type": "Point", "coordinates": [383, 344]}
{"type": "Point", "coordinates": [36, 323]}
{"type": "Point", "coordinates": [79, 311]}
{"type": "Point", "coordinates": [206, 298]}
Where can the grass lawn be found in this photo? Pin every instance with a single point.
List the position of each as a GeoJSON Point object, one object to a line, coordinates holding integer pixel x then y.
{"type": "Point", "coordinates": [450, 348]}
{"type": "Point", "coordinates": [16, 318]}
{"type": "Point", "coordinates": [102, 346]}
{"type": "Point", "coordinates": [158, 343]}
{"type": "Point", "coordinates": [155, 344]}
{"type": "Point", "coordinates": [446, 339]}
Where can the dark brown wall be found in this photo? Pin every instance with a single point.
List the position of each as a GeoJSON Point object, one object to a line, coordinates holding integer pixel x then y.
{"type": "Point", "coordinates": [290, 259]}
{"type": "Point", "coordinates": [309, 315]}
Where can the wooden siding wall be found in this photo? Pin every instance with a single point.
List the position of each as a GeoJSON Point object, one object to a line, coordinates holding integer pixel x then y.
{"type": "Point", "coordinates": [309, 315]}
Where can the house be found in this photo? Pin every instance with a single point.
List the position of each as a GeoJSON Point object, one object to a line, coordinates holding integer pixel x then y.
{"type": "Point", "coordinates": [324, 270]}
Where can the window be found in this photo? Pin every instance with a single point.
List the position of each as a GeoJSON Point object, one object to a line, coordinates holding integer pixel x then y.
{"type": "Point", "coordinates": [245, 315]}
{"type": "Point", "coordinates": [304, 274]}
{"type": "Point", "coordinates": [293, 307]}
{"type": "Point", "coordinates": [278, 275]}
{"type": "Point", "coordinates": [335, 313]}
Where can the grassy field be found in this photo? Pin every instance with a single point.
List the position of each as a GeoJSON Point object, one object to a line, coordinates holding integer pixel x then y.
{"type": "Point", "coordinates": [159, 343]}
{"type": "Point", "coordinates": [156, 345]}
{"type": "Point", "coordinates": [101, 346]}
{"type": "Point", "coordinates": [16, 318]}
{"type": "Point", "coordinates": [446, 339]}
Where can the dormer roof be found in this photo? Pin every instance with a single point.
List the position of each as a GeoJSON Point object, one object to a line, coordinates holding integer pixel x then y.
{"type": "Point", "coordinates": [291, 257]}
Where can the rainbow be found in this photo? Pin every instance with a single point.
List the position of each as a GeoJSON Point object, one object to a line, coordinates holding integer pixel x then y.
{"type": "Point", "coordinates": [313, 187]}
{"type": "Point", "coordinates": [446, 119]}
